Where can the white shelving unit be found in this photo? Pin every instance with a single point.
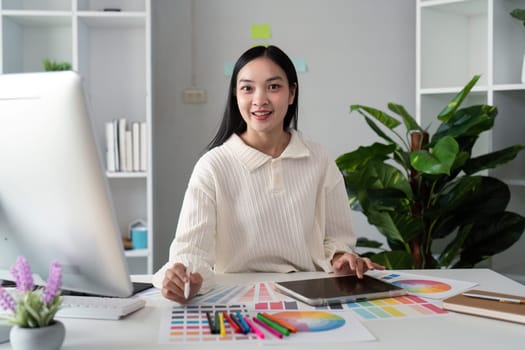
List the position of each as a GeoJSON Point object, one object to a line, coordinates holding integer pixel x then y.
{"type": "Point", "coordinates": [112, 51]}
{"type": "Point", "coordinates": [457, 39]}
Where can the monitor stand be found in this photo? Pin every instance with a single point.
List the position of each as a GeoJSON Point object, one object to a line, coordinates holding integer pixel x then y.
{"type": "Point", "coordinates": [4, 333]}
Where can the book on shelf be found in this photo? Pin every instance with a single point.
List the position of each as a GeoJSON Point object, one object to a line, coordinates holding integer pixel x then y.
{"type": "Point", "coordinates": [135, 134]}
{"type": "Point", "coordinates": [126, 146]}
{"type": "Point", "coordinates": [143, 147]}
{"type": "Point", "coordinates": [122, 144]}
{"type": "Point", "coordinates": [506, 307]}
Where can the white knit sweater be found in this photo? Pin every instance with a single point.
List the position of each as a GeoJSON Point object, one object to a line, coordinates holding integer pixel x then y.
{"type": "Point", "coordinates": [244, 211]}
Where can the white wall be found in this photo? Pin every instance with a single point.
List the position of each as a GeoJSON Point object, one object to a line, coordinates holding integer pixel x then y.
{"type": "Point", "coordinates": [356, 51]}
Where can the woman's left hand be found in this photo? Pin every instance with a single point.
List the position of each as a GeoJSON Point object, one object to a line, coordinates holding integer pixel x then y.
{"type": "Point", "coordinates": [352, 263]}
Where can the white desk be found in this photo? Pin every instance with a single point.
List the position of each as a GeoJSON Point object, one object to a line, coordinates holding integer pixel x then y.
{"type": "Point", "coordinates": [454, 331]}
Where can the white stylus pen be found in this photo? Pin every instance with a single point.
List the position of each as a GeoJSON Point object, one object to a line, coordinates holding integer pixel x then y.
{"type": "Point", "coordinates": [187, 283]}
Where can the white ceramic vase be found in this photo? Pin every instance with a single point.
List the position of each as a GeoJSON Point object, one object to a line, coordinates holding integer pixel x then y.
{"type": "Point", "coordinates": [45, 338]}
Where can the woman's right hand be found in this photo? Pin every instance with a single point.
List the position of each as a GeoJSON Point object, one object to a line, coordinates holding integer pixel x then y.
{"type": "Point", "coordinates": [174, 280]}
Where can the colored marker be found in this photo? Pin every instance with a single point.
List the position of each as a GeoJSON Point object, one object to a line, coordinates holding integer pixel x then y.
{"type": "Point", "coordinates": [239, 323]}
{"type": "Point", "coordinates": [222, 329]}
{"type": "Point", "coordinates": [280, 321]}
{"type": "Point", "coordinates": [255, 330]}
{"type": "Point", "coordinates": [276, 326]}
{"type": "Point", "coordinates": [268, 328]}
{"type": "Point", "coordinates": [243, 322]}
{"type": "Point", "coordinates": [232, 323]}
{"type": "Point", "coordinates": [210, 322]}
{"type": "Point", "coordinates": [216, 323]}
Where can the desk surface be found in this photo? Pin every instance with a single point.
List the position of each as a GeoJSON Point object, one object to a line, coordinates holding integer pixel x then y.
{"type": "Point", "coordinates": [453, 331]}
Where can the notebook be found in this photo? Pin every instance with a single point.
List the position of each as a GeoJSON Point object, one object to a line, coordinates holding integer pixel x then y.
{"type": "Point", "coordinates": [491, 308]}
{"type": "Point", "coordinates": [338, 289]}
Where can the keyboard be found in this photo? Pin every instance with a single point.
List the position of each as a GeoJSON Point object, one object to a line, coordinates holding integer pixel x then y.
{"type": "Point", "coordinates": [101, 308]}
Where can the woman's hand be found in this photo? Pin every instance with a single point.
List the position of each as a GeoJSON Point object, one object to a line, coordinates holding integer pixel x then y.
{"type": "Point", "coordinates": [174, 280]}
{"type": "Point", "coordinates": [352, 263]}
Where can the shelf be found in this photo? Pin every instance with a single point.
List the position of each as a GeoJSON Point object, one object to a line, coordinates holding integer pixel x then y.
{"type": "Point", "coordinates": [137, 253]}
{"type": "Point", "coordinates": [112, 52]}
{"type": "Point", "coordinates": [126, 175]}
{"type": "Point", "coordinates": [113, 19]}
{"type": "Point", "coordinates": [39, 18]}
{"type": "Point", "coordinates": [456, 40]}
{"type": "Point", "coordinates": [476, 90]}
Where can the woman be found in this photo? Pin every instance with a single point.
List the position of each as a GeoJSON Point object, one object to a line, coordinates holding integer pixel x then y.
{"type": "Point", "coordinates": [262, 198]}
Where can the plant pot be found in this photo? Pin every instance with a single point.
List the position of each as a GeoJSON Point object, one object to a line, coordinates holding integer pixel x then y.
{"type": "Point", "coordinates": [45, 338]}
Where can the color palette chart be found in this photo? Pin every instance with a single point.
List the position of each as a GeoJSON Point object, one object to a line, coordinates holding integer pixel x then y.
{"type": "Point", "coordinates": [423, 286]}
{"type": "Point", "coordinates": [189, 324]}
{"type": "Point", "coordinates": [258, 292]}
{"type": "Point", "coordinates": [380, 309]}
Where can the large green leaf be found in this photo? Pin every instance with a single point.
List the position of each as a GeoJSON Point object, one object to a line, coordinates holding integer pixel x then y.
{"type": "Point", "coordinates": [408, 120]}
{"type": "Point", "coordinates": [470, 121]}
{"type": "Point", "coordinates": [351, 161]}
{"type": "Point", "coordinates": [377, 129]}
{"type": "Point", "coordinates": [439, 160]}
{"type": "Point", "coordinates": [454, 104]}
{"type": "Point", "coordinates": [394, 260]}
{"type": "Point", "coordinates": [492, 160]}
{"type": "Point", "coordinates": [467, 200]}
{"type": "Point", "coordinates": [491, 235]}
{"type": "Point", "coordinates": [382, 117]}
{"type": "Point", "coordinates": [453, 249]}
{"type": "Point", "coordinates": [394, 225]}
{"type": "Point", "coordinates": [367, 243]}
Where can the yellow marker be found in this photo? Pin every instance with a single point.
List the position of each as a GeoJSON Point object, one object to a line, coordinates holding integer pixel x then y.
{"type": "Point", "coordinates": [222, 329]}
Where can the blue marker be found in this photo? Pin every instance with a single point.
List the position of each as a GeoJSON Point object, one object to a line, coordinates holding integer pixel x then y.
{"type": "Point", "coordinates": [243, 323]}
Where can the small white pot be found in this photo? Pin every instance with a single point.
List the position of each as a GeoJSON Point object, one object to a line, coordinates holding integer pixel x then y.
{"type": "Point", "coordinates": [45, 338]}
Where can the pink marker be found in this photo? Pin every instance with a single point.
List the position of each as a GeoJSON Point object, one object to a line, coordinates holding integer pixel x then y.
{"type": "Point", "coordinates": [254, 329]}
{"type": "Point", "coordinates": [268, 328]}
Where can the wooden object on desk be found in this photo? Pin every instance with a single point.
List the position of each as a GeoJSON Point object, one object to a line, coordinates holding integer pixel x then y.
{"type": "Point", "coordinates": [491, 308]}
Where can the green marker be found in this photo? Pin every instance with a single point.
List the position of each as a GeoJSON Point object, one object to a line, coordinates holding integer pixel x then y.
{"type": "Point", "coordinates": [274, 325]}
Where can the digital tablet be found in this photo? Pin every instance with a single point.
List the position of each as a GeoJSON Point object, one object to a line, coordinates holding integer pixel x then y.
{"type": "Point", "coordinates": [338, 289]}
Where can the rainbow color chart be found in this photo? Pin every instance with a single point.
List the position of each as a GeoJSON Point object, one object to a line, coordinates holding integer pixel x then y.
{"type": "Point", "coordinates": [423, 286]}
{"type": "Point", "coordinates": [189, 324]}
{"type": "Point", "coordinates": [405, 306]}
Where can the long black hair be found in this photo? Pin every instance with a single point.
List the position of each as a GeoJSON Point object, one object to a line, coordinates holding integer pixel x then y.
{"type": "Point", "coordinates": [232, 121]}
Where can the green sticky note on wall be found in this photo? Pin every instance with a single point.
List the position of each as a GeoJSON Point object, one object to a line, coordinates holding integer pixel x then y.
{"type": "Point", "coordinates": [261, 31]}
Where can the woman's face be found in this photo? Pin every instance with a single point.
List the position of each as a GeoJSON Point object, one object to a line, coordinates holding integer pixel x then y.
{"type": "Point", "coordinates": [263, 95]}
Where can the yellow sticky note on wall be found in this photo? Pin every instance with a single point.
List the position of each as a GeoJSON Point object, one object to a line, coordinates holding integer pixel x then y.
{"type": "Point", "coordinates": [261, 31]}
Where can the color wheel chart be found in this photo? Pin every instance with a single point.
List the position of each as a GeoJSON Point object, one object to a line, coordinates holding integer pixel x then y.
{"type": "Point", "coordinates": [189, 324]}
{"type": "Point", "coordinates": [423, 286]}
{"type": "Point", "coordinates": [381, 309]}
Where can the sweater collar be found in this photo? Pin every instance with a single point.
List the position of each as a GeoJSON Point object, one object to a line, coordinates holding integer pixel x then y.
{"type": "Point", "coordinates": [253, 159]}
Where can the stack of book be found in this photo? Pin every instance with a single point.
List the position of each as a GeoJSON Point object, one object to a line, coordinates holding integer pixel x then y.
{"type": "Point", "coordinates": [126, 146]}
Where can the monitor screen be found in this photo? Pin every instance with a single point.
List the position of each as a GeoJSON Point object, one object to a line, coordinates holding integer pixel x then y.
{"type": "Point", "coordinates": [54, 198]}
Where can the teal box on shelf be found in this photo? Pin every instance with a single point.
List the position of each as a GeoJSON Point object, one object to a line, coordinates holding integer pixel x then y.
{"type": "Point", "coordinates": [138, 231]}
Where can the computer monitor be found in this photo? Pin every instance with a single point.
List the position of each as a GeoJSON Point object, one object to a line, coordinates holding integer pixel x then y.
{"type": "Point", "coordinates": [55, 202]}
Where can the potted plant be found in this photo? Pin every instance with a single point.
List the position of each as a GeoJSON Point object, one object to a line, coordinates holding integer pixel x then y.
{"type": "Point", "coordinates": [420, 190]}
{"type": "Point", "coordinates": [519, 14]}
{"type": "Point", "coordinates": [32, 311]}
{"type": "Point", "coordinates": [50, 65]}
